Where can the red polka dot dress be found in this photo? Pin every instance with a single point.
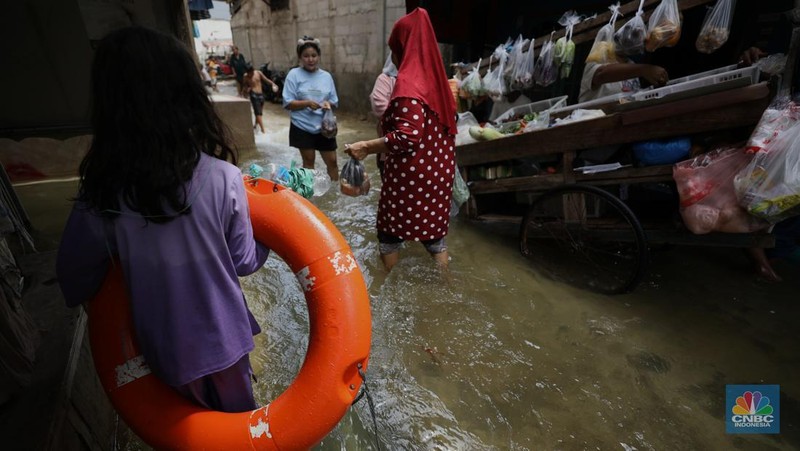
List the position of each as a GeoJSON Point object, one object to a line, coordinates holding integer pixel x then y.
{"type": "Point", "coordinates": [419, 171]}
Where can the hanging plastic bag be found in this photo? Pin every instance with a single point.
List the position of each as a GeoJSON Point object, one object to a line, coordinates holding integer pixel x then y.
{"type": "Point", "coordinates": [629, 39]}
{"type": "Point", "coordinates": [603, 49]}
{"type": "Point", "coordinates": [545, 72]}
{"type": "Point", "coordinates": [769, 186]}
{"type": "Point", "coordinates": [515, 56]}
{"type": "Point", "coordinates": [716, 27]}
{"type": "Point", "coordinates": [472, 85]}
{"type": "Point", "coordinates": [564, 48]}
{"type": "Point", "coordinates": [493, 82]}
{"type": "Point", "coordinates": [353, 180]}
{"type": "Point", "coordinates": [708, 201]}
{"type": "Point", "coordinates": [781, 115]}
{"type": "Point", "coordinates": [523, 76]}
{"type": "Point", "coordinates": [664, 26]}
{"type": "Point", "coordinates": [329, 127]}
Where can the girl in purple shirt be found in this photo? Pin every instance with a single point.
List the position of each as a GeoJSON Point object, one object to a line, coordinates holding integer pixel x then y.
{"type": "Point", "coordinates": [158, 193]}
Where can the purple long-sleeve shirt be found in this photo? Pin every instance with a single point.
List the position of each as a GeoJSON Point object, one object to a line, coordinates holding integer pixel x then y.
{"type": "Point", "coordinates": [189, 312]}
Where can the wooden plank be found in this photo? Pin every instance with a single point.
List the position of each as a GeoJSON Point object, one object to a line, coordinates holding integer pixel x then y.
{"type": "Point", "coordinates": [697, 104]}
{"type": "Point", "coordinates": [579, 135]}
{"type": "Point", "coordinates": [514, 184]}
{"type": "Point", "coordinates": [689, 116]}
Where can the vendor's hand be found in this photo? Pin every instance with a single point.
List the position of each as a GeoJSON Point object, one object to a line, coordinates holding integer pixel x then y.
{"type": "Point", "coordinates": [655, 75]}
{"type": "Point", "coordinates": [357, 150]}
{"type": "Point", "coordinates": [313, 105]}
{"type": "Point", "coordinates": [751, 55]}
{"type": "Point", "coordinates": [326, 105]}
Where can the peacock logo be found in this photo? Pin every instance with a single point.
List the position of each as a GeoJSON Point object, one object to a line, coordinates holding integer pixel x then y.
{"type": "Point", "coordinates": [752, 409]}
{"type": "Point", "coordinates": [752, 403]}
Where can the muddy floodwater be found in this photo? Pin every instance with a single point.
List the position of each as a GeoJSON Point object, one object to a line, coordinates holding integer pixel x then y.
{"type": "Point", "coordinates": [495, 355]}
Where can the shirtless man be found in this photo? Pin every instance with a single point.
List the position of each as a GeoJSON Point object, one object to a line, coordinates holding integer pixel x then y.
{"type": "Point", "coordinates": [252, 86]}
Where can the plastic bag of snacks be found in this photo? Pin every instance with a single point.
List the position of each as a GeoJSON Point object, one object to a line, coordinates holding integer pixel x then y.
{"type": "Point", "coordinates": [629, 39]}
{"type": "Point", "coordinates": [603, 50]}
{"type": "Point", "coordinates": [664, 26]}
{"type": "Point", "coordinates": [716, 27]}
{"type": "Point", "coordinates": [353, 180]}
{"type": "Point", "coordinates": [708, 201]}
{"type": "Point", "coordinates": [329, 127]}
{"type": "Point", "coordinates": [545, 73]}
{"type": "Point", "coordinates": [564, 49]}
{"type": "Point", "coordinates": [769, 186]}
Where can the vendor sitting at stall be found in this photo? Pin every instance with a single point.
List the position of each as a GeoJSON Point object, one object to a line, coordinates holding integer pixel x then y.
{"type": "Point", "coordinates": [601, 80]}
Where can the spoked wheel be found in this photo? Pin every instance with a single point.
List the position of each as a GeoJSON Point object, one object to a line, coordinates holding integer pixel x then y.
{"type": "Point", "coordinates": [587, 237]}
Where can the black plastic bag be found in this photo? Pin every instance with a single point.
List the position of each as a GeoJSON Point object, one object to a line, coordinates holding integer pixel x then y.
{"type": "Point", "coordinates": [353, 180]}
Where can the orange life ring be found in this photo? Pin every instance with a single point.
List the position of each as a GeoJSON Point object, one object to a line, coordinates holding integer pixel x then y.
{"type": "Point", "coordinates": [329, 380]}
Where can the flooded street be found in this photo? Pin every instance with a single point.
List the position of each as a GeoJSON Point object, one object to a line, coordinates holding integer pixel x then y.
{"type": "Point", "coordinates": [495, 355]}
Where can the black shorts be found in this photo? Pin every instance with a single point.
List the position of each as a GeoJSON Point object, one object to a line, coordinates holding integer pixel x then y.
{"type": "Point", "coordinates": [304, 140]}
{"type": "Point", "coordinates": [257, 100]}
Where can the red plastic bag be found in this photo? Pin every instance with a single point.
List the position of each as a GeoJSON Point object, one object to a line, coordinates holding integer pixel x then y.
{"type": "Point", "coordinates": [707, 195]}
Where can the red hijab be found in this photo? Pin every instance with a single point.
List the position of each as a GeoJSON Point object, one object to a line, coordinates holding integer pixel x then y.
{"type": "Point", "coordinates": [421, 72]}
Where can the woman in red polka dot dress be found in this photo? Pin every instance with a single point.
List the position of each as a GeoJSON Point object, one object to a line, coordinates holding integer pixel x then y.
{"type": "Point", "coordinates": [420, 139]}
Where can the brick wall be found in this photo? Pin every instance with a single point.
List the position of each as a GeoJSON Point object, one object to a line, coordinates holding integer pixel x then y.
{"type": "Point", "coordinates": [352, 36]}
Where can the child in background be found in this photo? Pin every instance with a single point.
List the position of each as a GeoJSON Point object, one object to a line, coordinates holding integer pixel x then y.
{"type": "Point", "coordinates": [158, 196]}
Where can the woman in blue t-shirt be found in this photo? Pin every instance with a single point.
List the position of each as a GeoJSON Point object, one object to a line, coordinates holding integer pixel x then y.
{"type": "Point", "coordinates": [307, 92]}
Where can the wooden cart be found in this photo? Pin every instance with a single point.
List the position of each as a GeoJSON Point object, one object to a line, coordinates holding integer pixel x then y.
{"type": "Point", "coordinates": [575, 224]}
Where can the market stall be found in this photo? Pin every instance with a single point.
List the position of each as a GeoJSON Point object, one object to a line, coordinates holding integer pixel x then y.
{"type": "Point", "coordinates": [538, 177]}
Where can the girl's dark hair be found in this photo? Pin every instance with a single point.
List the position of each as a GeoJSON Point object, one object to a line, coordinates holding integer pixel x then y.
{"type": "Point", "coordinates": [306, 42]}
{"type": "Point", "coordinates": [152, 118]}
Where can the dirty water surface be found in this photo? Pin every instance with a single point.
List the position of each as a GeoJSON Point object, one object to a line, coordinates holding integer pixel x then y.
{"type": "Point", "coordinates": [494, 355]}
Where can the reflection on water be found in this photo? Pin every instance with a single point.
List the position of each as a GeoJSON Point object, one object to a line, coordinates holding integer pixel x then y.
{"type": "Point", "coordinates": [496, 356]}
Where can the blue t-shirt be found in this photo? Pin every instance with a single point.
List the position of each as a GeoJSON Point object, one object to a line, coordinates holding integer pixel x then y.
{"type": "Point", "coordinates": [318, 86]}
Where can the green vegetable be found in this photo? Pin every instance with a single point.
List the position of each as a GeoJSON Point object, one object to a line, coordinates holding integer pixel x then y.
{"type": "Point", "coordinates": [531, 117]}
{"type": "Point", "coordinates": [484, 133]}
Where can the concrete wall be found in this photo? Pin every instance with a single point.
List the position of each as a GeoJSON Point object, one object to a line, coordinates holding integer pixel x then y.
{"type": "Point", "coordinates": [353, 35]}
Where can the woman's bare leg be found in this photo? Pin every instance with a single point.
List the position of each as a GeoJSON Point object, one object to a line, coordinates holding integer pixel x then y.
{"type": "Point", "coordinates": [330, 162]}
{"type": "Point", "coordinates": [308, 156]}
{"type": "Point", "coordinates": [389, 260]}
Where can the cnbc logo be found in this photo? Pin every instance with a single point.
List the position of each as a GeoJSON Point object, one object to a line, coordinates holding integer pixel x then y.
{"type": "Point", "coordinates": [752, 409]}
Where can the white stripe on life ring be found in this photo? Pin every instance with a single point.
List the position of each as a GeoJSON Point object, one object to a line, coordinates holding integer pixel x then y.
{"type": "Point", "coordinates": [131, 370]}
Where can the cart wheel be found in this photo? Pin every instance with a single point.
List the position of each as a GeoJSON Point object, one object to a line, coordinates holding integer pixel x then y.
{"type": "Point", "coordinates": [587, 237]}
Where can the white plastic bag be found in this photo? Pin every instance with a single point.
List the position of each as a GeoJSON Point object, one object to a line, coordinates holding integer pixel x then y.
{"type": "Point", "coordinates": [494, 82]}
{"type": "Point", "coordinates": [523, 75]}
{"type": "Point", "coordinates": [769, 187]}
{"type": "Point", "coordinates": [472, 85]}
{"type": "Point", "coordinates": [781, 115]}
{"type": "Point", "coordinates": [603, 50]}
{"type": "Point", "coordinates": [545, 73]}
{"type": "Point", "coordinates": [515, 57]}
{"type": "Point", "coordinates": [629, 39]}
{"type": "Point", "coordinates": [664, 26]}
{"type": "Point", "coordinates": [716, 27]}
